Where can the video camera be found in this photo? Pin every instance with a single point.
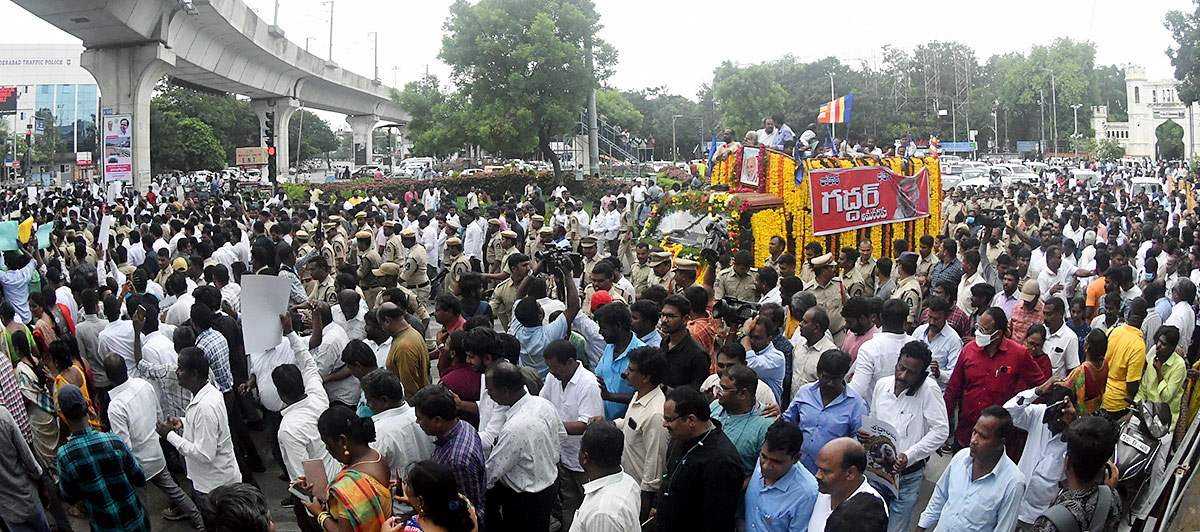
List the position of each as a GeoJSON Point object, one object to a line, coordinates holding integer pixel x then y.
{"type": "Point", "coordinates": [733, 311]}
{"type": "Point", "coordinates": [993, 218]}
{"type": "Point", "coordinates": [560, 261]}
{"type": "Point", "coordinates": [715, 242]}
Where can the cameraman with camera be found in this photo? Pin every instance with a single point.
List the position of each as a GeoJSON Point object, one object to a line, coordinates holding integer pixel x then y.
{"type": "Point", "coordinates": [528, 317]}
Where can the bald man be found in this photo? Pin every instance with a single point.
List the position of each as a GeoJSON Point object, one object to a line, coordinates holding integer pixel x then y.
{"type": "Point", "coordinates": [841, 470]}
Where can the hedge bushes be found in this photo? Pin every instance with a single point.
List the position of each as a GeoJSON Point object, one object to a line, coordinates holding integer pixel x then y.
{"type": "Point", "coordinates": [495, 184]}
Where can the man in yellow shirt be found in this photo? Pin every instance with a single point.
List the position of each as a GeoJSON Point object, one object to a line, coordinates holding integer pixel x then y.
{"type": "Point", "coordinates": [408, 357]}
{"type": "Point", "coordinates": [1126, 360]}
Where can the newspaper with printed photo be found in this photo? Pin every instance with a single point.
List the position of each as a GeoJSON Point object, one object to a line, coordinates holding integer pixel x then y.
{"type": "Point", "coordinates": [882, 454]}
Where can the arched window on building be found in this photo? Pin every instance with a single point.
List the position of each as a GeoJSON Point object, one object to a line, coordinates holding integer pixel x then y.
{"type": "Point", "coordinates": [1137, 95]}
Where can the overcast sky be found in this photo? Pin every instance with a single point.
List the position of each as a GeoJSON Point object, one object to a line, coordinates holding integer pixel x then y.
{"type": "Point", "coordinates": [677, 43]}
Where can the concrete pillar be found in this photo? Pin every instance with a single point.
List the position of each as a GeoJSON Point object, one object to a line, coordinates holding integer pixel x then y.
{"type": "Point", "coordinates": [284, 109]}
{"type": "Point", "coordinates": [363, 127]}
{"type": "Point", "coordinates": [126, 78]}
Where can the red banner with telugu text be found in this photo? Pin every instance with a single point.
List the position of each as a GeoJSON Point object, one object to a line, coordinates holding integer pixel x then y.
{"type": "Point", "coordinates": [845, 199]}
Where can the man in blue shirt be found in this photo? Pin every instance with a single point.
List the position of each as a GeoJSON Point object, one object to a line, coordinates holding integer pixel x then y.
{"type": "Point", "coordinates": [15, 281]}
{"type": "Point", "coordinates": [761, 354]}
{"type": "Point", "coordinates": [981, 489]}
{"type": "Point", "coordinates": [826, 410]}
{"type": "Point", "coordinates": [781, 493]}
{"type": "Point", "coordinates": [614, 322]}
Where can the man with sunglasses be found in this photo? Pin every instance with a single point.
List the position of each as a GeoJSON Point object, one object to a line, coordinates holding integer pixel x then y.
{"type": "Point", "coordinates": [645, 433]}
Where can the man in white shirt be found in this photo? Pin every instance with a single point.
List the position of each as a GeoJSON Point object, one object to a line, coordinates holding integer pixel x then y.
{"type": "Point", "coordinates": [1042, 460]}
{"type": "Point", "coordinates": [1057, 278]}
{"type": "Point", "coordinates": [262, 365]}
{"type": "Point", "coordinates": [206, 444]}
{"type": "Point", "coordinates": [1182, 315]}
{"type": "Point", "coordinates": [911, 402]}
{"type": "Point", "coordinates": [841, 467]}
{"type": "Point", "coordinates": [398, 439]}
{"type": "Point", "coordinates": [766, 281]}
{"type": "Point", "coordinates": [970, 277]}
{"type": "Point", "coordinates": [327, 342]}
{"type": "Point", "coordinates": [943, 341]}
{"type": "Point", "coordinates": [299, 387]}
{"type": "Point", "coordinates": [1061, 344]}
{"type": "Point", "coordinates": [523, 464]}
{"type": "Point", "coordinates": [877, 357]}
{"type": "Point", "coordinates": [611, 501]}
{"type": "Point", "coordinates": [575, 393]}
{"type": "Point", "coordinates": [133, 410]}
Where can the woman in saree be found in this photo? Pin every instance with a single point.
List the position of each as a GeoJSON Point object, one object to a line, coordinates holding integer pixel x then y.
{"type": "Point", "coordinates": [358, 499]}
{"type": "Point", "coordinates": [65, 370]}
{"type": "Point", "coordinates": [430, 488]}
{"type": "Point", "coordinates": [1088, 380]}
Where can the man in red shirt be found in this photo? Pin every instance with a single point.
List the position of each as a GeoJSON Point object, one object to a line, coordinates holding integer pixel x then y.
{"type": "Point", "coordinates": [990, 370]}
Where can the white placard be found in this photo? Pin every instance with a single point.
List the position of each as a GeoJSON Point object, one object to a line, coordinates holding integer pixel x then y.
{"type": "Point", "coordinates": [105, 228]}
{"type": "Point", "coordinates": [263, 298]}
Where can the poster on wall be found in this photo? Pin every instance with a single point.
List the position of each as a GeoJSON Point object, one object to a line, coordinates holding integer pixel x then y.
{"type": "Point", "coordinates": [118, 148]}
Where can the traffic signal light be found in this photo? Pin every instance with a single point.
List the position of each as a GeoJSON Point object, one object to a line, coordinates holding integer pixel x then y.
{"type": "Point", "coordinates": [269, 127]}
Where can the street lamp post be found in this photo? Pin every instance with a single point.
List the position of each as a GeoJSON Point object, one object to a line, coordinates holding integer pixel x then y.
{"type": "Point", "coordinates": [375, 34]}
{"type": "Point", "coordinates": [1053, 108]}
{"type": "Point", "coordinates": [1075, 108]}
{"type": "Point", "coordinates": [330, 2]}
{"type": "Point", "coordinates": [674, 143]}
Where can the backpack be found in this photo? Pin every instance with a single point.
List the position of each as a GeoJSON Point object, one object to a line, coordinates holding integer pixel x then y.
{"type": "Point", "coordinates": [1064, 521]}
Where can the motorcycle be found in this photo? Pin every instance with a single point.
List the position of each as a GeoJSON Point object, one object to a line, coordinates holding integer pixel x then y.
{"type": "Point", "coordinates": [1138, 444]}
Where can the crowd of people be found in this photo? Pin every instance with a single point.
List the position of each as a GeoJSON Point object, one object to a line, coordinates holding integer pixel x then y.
{"type": "Point", "coordinates": [450, 366]}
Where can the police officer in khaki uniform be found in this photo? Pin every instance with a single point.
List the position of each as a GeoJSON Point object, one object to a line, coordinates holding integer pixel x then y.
{"type": "Point", "coordinates": [340, 246]}
{"type": "Point", "coordinates": [494, 248]}
{"type": "Point", "coordinates": [908, 289]}
{"type": "Point", "coordinates": [830, 295]}
{"type": "Point", "coordinates": [545, 241]}
{"type": "Point", "coordinates": [660, 269]}
{"type": "Point", "coordinates": [328, 251]}
{"type": "Point", "coordinates": [303, 246]}
{"type": "Point", "coordinates": [591, 256]}
{"type": "Point", "coordinates": [812, 250]}
{"type": "Point", "coordinates": [414, 273]}
{"type": "Point", "coordinates": [386, 274]}
{"type": "Point", "coordinates": [533, 236]}
{"type": "Point", "coordinates": [851, 276]}
{"type": "Point", "coordinates": [640, 271]}
{"type": "Point", "coordinates": [324, 290]}
{"type": "Point", "coordinates": [457, 264]}
{"type": "Point", "coordinates": [738, 279]}
{"type": "Point", "coordinates": [684, 275]}
{"type": "Point", "coordinates": [572, 227]}
{"type": "Point", "coordinates": [625, 234]}
{"type": "Point", "coordinates": [393, 248]}
{"type": "Point", "coordinates": [504, 297]}
{"type": "Point", "coordinates": [367, 260]}
{"type": "Point", "coordinates": [864, 267]}
{"type": "Point", "coordinates": [776, 248]}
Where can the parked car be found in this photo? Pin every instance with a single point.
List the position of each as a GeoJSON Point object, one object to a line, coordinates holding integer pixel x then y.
{"type": "Point", "coordinates": [471, 171]}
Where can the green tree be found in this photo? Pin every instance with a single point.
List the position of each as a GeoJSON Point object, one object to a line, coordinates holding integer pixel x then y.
{"type": "Point", "coordinates": [199, 148]}
{"type": "Point", "coordinates": [314, 140]}
{"type": "Point", "coordinates": [747, 95]}
{"type": "Point", "coordinates": [1109, 149]}
{"type": "Point", "coordinates": [1111, 84]}
{"type": "Point", "coordinates": [523, 64]}
{"type": "Point", "coordinates": [1185, 29]}
{"type": "Point", "coordinates": [439, 124]}
{"type": "Point", "coordinates": [617, 110]}
{"type": "Point", "coordinates": [48, 144]}
{"type": "Point", "coordinates": [657, 106]}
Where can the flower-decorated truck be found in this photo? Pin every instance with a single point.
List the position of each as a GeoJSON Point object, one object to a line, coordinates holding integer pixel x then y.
{"type": "Point", "coordinates": [759, 193]}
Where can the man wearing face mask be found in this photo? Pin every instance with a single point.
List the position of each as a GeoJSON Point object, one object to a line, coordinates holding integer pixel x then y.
{"type": "Point", "coordinates": [989, 371]}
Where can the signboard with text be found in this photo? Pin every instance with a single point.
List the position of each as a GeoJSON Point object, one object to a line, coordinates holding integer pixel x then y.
{"type": "Point", "coordinates": [8, 101]}
{"type": "Point", "coordinates": [118, 148]}
{"type": "Point", "coordinates": [845, 199]}
{"type": "Point", "coordinates": [251, 156]}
